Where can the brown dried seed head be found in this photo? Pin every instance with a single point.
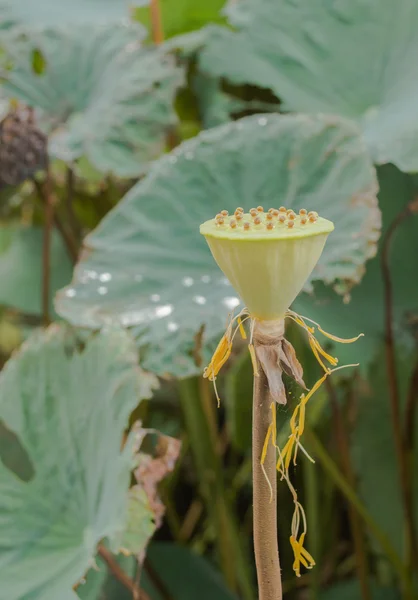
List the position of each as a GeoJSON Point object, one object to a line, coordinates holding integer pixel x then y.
{"type": "Point", "coordinates": [303, 212]}
{"type": "Point", "coordinates": [303, 221]}
{"type": "Point", "coordinates": [257, 221]}
{"type": "Point", "coordinates": [291, 224]}
{"type": "Point", "coordinates": [282, 218]}
{"type": "Point", "coordinates": [232, 223]}
{"type": "Point", "coordinates": [224, 213]}
{"type": "Point", "coordinates": [269, 225]}
{"type": "Point", "coordinates": [246, 226]}
{"type": "Point", "coordinates": [275, 213]}
{"type": "Point", "coordinates": [269, 217]}
{"type": "Point", "coordinates": [253, 212]}
{"type": "Point", "coordinates": [282, 209]}
{"type": "Point", "coordinates": [260, 209]}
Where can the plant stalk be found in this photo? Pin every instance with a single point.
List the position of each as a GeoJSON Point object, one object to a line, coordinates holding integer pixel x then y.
{"type": "Point", "coordinates": [156, 22]}
{"type": "Point", "coordinates": [120, 575]}
{"type": "Point", "coordinates": [266, 548]}
{"type": "Point", "coordinates": [394, 396]}
{"type": "Point", "coordinates": [46, 249]}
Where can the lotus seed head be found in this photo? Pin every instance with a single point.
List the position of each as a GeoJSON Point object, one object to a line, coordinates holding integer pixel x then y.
{"type": "Point", "coordinates": [280, 258]}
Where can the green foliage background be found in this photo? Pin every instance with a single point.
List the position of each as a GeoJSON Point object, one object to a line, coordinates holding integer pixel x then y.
{"type": "Point", "coordinates": [259, 101]}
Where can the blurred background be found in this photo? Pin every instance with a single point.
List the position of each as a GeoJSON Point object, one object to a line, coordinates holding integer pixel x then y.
{"type": "Point", "coordinates": [95, 98]}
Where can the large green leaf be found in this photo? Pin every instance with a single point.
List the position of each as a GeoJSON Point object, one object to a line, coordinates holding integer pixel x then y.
{"type": "Point", "coordinates": [364, 312]}
{"type": "Point", "coordinates": [50, 12]}
{"type": "Point", "coordinates": [146, 264]}
{"type": "Point", "coordinates": [21, 267]}
{"type": "Point", "coordinates": [69, 410]}
{"type": "Point", "coordinates": [102, 95]}
{"type": "Point", "coordinates": [345, 57]}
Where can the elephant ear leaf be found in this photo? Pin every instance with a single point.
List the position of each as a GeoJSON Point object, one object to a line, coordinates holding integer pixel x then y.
{"type": "Point", "coordinates": [365, 51]}
{"type": "Point", "coordinates": [69, 410]}
{"type": "Point", "coordinates": [147, 266]}
{"type": "Point", "coordinates": [101, 94]}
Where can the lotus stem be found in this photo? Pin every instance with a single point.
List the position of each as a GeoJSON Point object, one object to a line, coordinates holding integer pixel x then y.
{"type": "Point", "coordinates": [266, 548]}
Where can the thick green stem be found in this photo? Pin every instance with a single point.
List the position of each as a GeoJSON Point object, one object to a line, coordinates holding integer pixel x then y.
{"type": "Point", "coordinates": [265, 497]}
{"type": "Point", "coordinates": [207, 459]}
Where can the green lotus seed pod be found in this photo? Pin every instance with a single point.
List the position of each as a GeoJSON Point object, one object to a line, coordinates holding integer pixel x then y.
{"type": "Point", "coordinates": [267, 257]}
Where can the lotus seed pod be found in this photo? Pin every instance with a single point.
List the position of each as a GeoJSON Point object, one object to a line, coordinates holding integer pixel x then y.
{"type": "Point", "coordinates": [267, 267]}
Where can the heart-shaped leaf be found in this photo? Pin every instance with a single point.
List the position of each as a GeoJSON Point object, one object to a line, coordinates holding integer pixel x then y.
{"type": "Point", "coordinates": [69, 410]}
{"type": "Point", "coordinates": [101, 94]}
{"type": "Point", "coordinates": [364, 51]}
{"type": "Point", "coordinates": [28, 14]}
{"type": "Point", "coordinates": [146, 264]}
